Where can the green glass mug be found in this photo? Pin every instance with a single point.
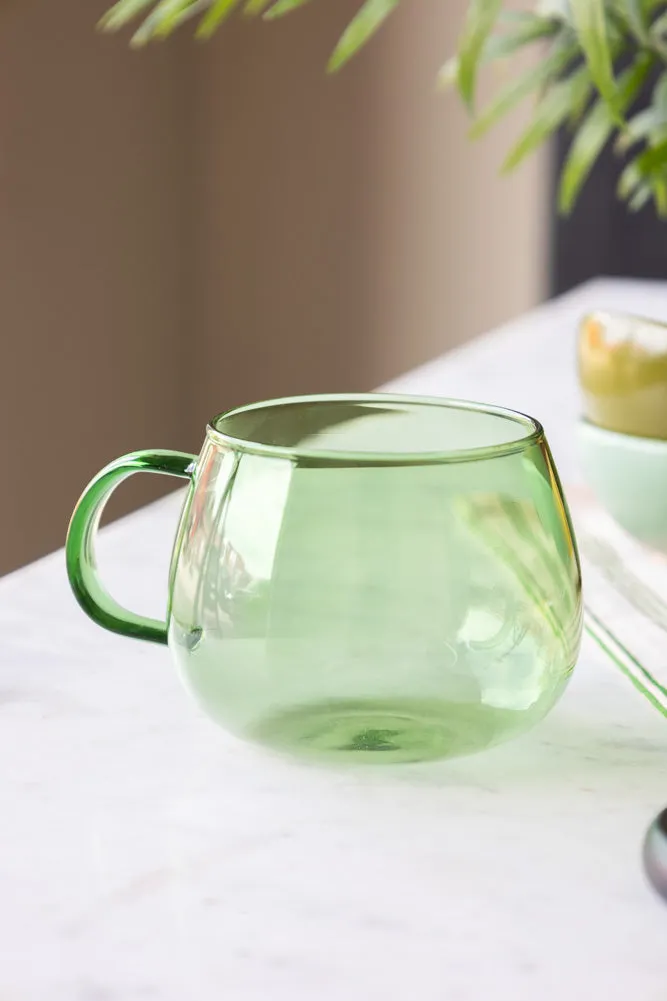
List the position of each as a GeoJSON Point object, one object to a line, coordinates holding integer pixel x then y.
{"type": "Point", "coordinates": [372, 577]}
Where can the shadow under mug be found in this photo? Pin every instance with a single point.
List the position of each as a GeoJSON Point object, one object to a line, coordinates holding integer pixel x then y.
{"type": "Point", "coordinates": [370, 577]}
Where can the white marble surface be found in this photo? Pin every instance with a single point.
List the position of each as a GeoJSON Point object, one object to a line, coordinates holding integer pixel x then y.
{"type": "Point", "coordinates": [145, 855]}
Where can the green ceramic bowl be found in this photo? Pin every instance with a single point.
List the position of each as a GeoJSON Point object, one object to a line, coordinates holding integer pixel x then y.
{"type": "Point", "coordinates": [623, 373]}
{"type": "Point", "coordinates": [628, 475]}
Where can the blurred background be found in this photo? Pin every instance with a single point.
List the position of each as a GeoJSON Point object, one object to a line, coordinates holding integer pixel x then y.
{"type": "Point", "coordinates": [195, 226]}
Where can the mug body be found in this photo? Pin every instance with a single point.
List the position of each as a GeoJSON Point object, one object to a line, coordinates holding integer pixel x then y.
{"type": "Point", "coordinates": [388, 578]}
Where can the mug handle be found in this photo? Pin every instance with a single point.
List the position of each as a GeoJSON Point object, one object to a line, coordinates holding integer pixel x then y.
{"type": "Point", "coordinates": [94, 599]}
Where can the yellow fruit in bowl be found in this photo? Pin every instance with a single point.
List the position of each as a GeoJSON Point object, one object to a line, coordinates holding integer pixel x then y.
{"type": "Point", "coordinates": [623, 373]}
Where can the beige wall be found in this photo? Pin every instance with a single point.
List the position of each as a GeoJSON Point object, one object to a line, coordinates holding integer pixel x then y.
{"type": "Point", "coordinates": [92, 233]}
{"type": "Point", "coordinates": [286, 160]}
{"type": "Point", "coordinates": [350, 217]}
{"type": "Point", "coordinates": [457, 248]}
{"type": "Point", "coordinates": [191, 227]}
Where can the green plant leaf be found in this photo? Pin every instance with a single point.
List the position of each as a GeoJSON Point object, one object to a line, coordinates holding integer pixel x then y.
{"type": "Point", "coordinates": [497, 46]}
{"type": "Point", "coordinates": [578, 110]}
{"type": "Point", "coordinates": [590, 22]}
{"type": "Point", "coordinates": [635, 15]}
{"type": "Point", "coordinates": [516, 16]}
{"type": "Point", "coordinates": [594, 133]}
{"type": "Point", "coordinates": [171, 15]}
{"type": "Point", "coordinates": [648, 166]}
{"type": "Point", "coordinates": [364, 24]}
{"type": "Point", "coordinates": [176, 13]}
{"type": "Point", "coordinates": [482, 16]}
{"type": "Point", "coordinates": [448, 73]}
{"type": "Point", "coordinates": [122, 13]}
{"type": "Point", "coordinates": [283, 7]}
{"type": "Point", "coordinates": [551, 112]}
{"type": "Point", "coordinates": [165, 17]}
{"type": "Point", "coordinates": [255, 7]}
{"type": "Point", "coordinates": [640, 127]}
{"type": "Point", "coordinates": [554, 8]}
{"type": "Point", "coordinates": [659, 97]}
{"type": "Point", "coordinates": [630, 17]}
{"type": "Point", "coordinates": [649, 123]}
{"type": "Point", "coordinates": [659, 26]}
{"type": "Point", "coordinates": [629, 181]}
{"type": "Point", "coordinates": [584, 151]}
{"type": "Point", "coordinates": [660, 195]}
{"type": "Point", "coordinates": [652, 160]}
{"type": "Point", "coordinates": [164, 13]}
{"type": "Point", "coordinates": [641, 196]}
{"type": "Point", "coordinates": [657, 35]}
{"type": "Point", "coordinates": [214, 16]}
{"type": "Point", "coordinates": [532, 79]}
{"type": "Point", "coordinates": [500, 45]}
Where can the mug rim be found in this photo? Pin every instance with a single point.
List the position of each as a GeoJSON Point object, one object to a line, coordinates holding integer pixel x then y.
{"type": "Point", "coordinates": [534, 432]}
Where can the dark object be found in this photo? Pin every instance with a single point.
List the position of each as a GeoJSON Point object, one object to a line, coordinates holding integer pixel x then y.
{"type": "Point", "coordinates": [602, 236]}
{"type": "Point", "coordinates": [655, 854]}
